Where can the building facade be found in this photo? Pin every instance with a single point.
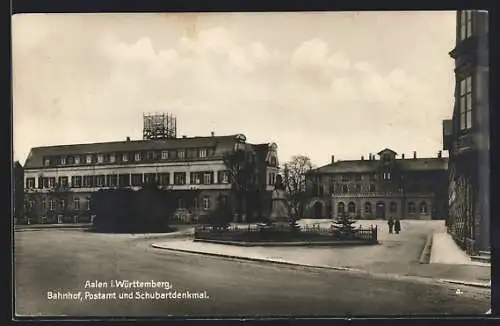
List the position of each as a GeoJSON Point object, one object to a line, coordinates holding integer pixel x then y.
{"type": "Point", "coordinates": [58, 180]}
{"type": "Point", "coordinates": [466, 135]}
{"type": "Point", "coordinates": [17, 190]}
{"type": "Point", "coordinates": [379, 188]}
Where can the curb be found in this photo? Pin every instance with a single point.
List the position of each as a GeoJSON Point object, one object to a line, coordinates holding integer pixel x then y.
{"type": "Point", "coordinates": [473, 284]}
{"type": "Point", "coordinates": [346, 269]}
{"type": "Point", "coordinates": [252, 259]}
{"type": "Point", "coordinates": [289, 244]}
{"type": "Point", "coordinates": [425, 256]}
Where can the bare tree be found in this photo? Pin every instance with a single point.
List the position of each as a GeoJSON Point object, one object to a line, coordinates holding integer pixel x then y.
{"type": "Point", "coordinates": [294, 179]}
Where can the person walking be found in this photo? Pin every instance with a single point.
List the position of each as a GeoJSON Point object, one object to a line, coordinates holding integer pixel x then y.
{"type": "Point", "coordinates": [390, 222]}
{"type": "Point", "coordinates": [397, 226]}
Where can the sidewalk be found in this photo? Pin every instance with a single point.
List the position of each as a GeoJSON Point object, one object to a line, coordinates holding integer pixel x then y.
{"type": "Point", "coordinates": [446, 251]}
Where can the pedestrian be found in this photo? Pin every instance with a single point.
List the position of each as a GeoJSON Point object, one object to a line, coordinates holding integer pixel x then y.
{"type": "Point", "coordinates": [390, 222]}
{"type": "Point", "coordinates": [397, 226]}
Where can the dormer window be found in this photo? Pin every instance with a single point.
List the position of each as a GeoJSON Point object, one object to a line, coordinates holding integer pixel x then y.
{"type": "Point", "coordinates": [112, 158]}
{"type": "Point", "coordinates": [181, 154]}
{"type": "Point", "coordinates": [100, 158]}
{"type": "Point", "coordinates": [77, 159]}
{"type": "Point", "coordinates": [137, 157]}
{"type": "Point", "coordinates": [63, 160]}
{"type": "Point", "coordinates": [46, 162]}
{"type": "Point", "coordinates": [164, 155]}
{"type": "Point", "coordinates": [203, 152]}
{"type": "Point", "coordinates": [89, 159]}
{"type": "Point", "coordinates": [125, 157]}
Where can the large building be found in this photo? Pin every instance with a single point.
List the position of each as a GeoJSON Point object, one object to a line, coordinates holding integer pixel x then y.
{"type": "Point", "coordinates": [466, 135]}
{"type": "Point", "coordinates": [379, 188]}
{"type": "Point", "coordinates": [59, 179]}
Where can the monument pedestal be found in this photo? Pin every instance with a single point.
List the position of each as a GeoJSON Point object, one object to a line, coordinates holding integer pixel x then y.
{"type": "Point", "coordinates": [280, 215]}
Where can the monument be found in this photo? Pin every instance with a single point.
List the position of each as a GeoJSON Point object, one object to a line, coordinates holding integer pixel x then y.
{"type": "Point", "coordinates": [280, 214]}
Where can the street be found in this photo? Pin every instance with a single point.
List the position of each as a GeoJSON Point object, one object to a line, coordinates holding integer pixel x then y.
{"type": "Point", "coordinates": [53, 260]}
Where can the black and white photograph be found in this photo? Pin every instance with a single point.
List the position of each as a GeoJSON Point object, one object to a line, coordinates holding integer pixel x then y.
{"type": "Point", "coordinates": [251, 164]}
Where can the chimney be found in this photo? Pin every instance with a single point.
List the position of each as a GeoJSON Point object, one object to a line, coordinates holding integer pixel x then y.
{"type": "Point", "coordinates": [128, 138]}
{"type": "Point", "coordinates": [414, 154]}
{"type": "Point", "coordinates": [362, 158]}
{"type": "Point", "coordinates": [440, 154]}
{"type": "Point", "coordinates": [333, 159]}
{"type": "Point", "coordinates": [212, 134]}
{"type": "Point", "coordinates": [402, 156]}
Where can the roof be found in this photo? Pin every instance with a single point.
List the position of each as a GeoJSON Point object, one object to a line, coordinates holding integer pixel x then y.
{"type": "Point", "coordinates": [365, 166]}
{"type": "Point", "coordinates": [221, 143]}
{"type": "Point", "coordinates": [387, 151]}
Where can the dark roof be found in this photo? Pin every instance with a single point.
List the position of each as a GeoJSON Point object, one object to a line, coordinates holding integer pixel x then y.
{"type": "Point", "coordinates": [387, 150]}
{"type": "Point", "coordinates": [364, 166]}
{"type": "Point", "coordinates": [221, 144]}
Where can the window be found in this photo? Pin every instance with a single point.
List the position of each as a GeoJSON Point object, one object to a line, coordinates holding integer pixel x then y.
{"type": "Point", "coordinates": [207, 178]}
{"type": "Point", "coordinates": [206, 203]}
{"type": "Point", "coordinates": [52, 205]}
{"type": "Point", "coordinates": [76, 203]}
{"type": "Point", "coordinates": [77, 159]}
{"type": "Point", "coordinates": [88, 181]}
{"type": "Point", "coordinates": [179, 178]}
{"type": "Point", "coordinates": [44, 205]}
{"type": "Point", "coordinates": [164, 155]}
{"type": "Point", "coordinates": [100, 158]}
{"type": "Point", "coordinates": [62, 203]}
{"type": "Point", "coordinates": [373, 177]}
{"type": "Point", "coordinates": [125, 157]}
{"type": "Point", "coordinates": [411, 207]}
{"type": "Point", "coordinates": [345, 189]}
{"type": "Point", "coordinates": [46, 162]}
{"type": "Point", "coordinates": [358, 188]}
{"type": "Point", "coordinates": [465, 103]}
{"type": "Point", "coordinates": [51, 182]}
{"type": "Point", "coordinates": [149, 177]}
{"type": "Point", "coordinates": [372, 188]}
{"type": "Point", "coordinates": [112, 158]}
{"type": "Point", "coordinates": [423, 208]}
{"type": "Point", "coordinates": [63, 181]}
{"type": "Point", "coordinates": [30, 183]}
{"type": "Point", "coordinates": [112, 180]}
{"type": "Point", "coordinates": [465, 24]}
{"type": "Point", "coordinates": [124, 180]}
{"type": "Point", "coordinates": [195, 178]}
{"type": "Point", "coordinates": [180, 203]}
{"type": "Point", "coordinates": [76, 181]}
{"type": "Point", "coordinates": [63, 160]}
{"type": "Point", "coordinates": [88, 203]}
{"type": "Point", "coordinates": [164, 179]}
{"type": "Point", "coordinates": [136, 179]}
{"type": "Point", "coordinates": [137, 156]}
{"type": "Point", "coordinates": [387, 176]}
{"type": "Point", "coordinates": [351, 208]}
{"type": "Point", "coordinates": [368, 207]}
{"type": "Point", "coordinates": [99, 180]}
{"type": "Point", "coordinates": [345, 178]}
{"type": "Point", "coordinates": [203, 152]}
{"type": "Point", "coordinates": [195, 203]}
{"type": "Point", "coordinates": [357, 177]}
{"type": "Point", "coordinates": [181, 154]}
{"type": "Point", "coordinates": [89, 159]}
{"type": "Point", "coordinates": [340, 208]}
{"type": "Point", "coordinates": [223, 177]}
{"type": "Point", "coordinates": [393, 208]}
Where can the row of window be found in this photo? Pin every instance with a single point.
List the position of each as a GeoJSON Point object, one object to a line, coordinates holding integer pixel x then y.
{"type": "Point", "coordinates": [465, 24]}
{"type": "Point", "coordinates": [127, 157]}
{"type": "Point", "coordinates": [465, 103]}
{"type": "Point", "coordinates": [357, 177]}
{"type": "Point", "coordinates": [393, 208]}
{"type": "Point", "coordinates": [76, 204]}
{"type": "Point", "coordinates": [125, 180]}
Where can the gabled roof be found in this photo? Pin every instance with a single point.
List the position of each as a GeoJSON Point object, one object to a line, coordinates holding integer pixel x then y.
{"type": "Point", "coordinates": [387, 151]}
{"type": "Point", "coordinates": [220, 143]}
{"type": "Point", "coordinates": [367, 166]}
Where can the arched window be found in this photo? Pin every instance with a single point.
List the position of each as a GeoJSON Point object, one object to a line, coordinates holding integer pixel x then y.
{"type": "Point", "coordinates": [368, 207]}
{"type": "Point", "coordinates": [411, 207]}
{"type": "Point", "coordinates": [340, 208]}
{"type": "Point", "coordinates": [393, 207]}
{"type": "Point", "coordinates": [423, 207]}
{"type": "Point", "coordinates": [345, 189]}
{"type": "Point", "coordinates": [351, 208]}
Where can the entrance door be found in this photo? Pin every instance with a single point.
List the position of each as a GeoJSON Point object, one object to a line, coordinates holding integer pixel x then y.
{"type": "Point", "coordinates": [380, 211]}
{"type": "Point", "coordinates": [318, 210]}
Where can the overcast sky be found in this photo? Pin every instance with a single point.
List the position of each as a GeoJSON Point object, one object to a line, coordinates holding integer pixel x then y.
{"type": "Point", "coordinates": [319, 84]}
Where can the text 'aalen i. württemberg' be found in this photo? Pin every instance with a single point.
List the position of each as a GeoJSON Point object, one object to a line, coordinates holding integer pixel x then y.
{"type": "Point", "coordinates": [126, 290]}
